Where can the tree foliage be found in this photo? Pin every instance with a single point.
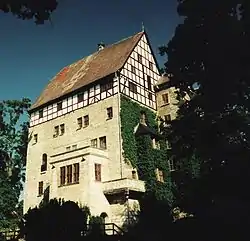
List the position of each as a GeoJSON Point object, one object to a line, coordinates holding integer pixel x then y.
{"type": "Point", "coordinates": [139, 151]}
{"type": "Point", "coordinates": [13, 148]}
{"type": "Point", "coordinates": [210, 49]}
{"type": "Point", "coordinates": [56, 220]}
{"type": "Point", "coordinates": [39, 10]}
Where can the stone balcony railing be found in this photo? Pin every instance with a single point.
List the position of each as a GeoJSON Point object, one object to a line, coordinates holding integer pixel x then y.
{"type": "Point", "coordinates": [113, 186]}
{"type": "Point", "coordinates": [79, 152]}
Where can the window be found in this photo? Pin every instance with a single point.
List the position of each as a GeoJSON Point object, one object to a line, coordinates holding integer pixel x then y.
{"type": "Point", "coordinates": [143, 118]}
{"type": "Point", "coordinates": [35, 138]}
{"type": "Point", "coordinates": [44, 163]}
{"type": "Point", "coordinates": [106, 86]}
{"type": "Point", "coordinates": [76, 173]}
{"type": "Point", "coordinates": [62, 129]}
{"type": "Point", "coordinates": [62, 175]}
{"type": "Point", "coordinates": [133, 70]}
{"type": "Point", "coordinates": [93, 143]}
{"type": "Point", "coordinates": [98, 172]}
{"type": "Point", "coordinates": [56, 131]}
{"type": "Point", "coordinates": [165, 99]}
{"type": "Point", "coordinates": [139, 58]}
{"type": "Point", "coordinates": [159, 175]}
{"type": "Point", "coordinates": [167, 118]}
{"type": "Point", "coordinates": [103, 142]}
{"type": "Point", "coordinates": [69, 174]}
{"type": "Point", "coordinates": [132, 87]}
{"type": "Point", "coordinates": [134, 176]}
{"type": "Point", "coordinates": [79, 123]}
{"type": "Point", "coordinates": [86, 120]}
{"type": "Point", "coordinates": [66, 176]}
{"type": "Point", "coordinates": [59, 106]}
{"type": "Point", "coordinates": [149, 82]}
{"type": "Point", "coordinates": [150, 96]}
{"type": "Point", "coordinates": [168, 145]}
{"type": "Point", "coordinates": [171, 165]}
{"type": "Point", "coordinates": [157, 145]}
{"type": "Point", "coordinates": [110, 113]}
{"type": "Point", "coordinates": [154, 143]}
{"type": "Point", "coordinates": [40, 188]}
{"type": "Point", "coordinates": [68, 148]}
{"type": "Point", "coordinates": [74, 147]}
{"type": "Point", "coordinates": [40, 114]}
{"type": "Point", "coordinates": [80, 97]}
{"type": "Point", "coordinates": [150, 65]}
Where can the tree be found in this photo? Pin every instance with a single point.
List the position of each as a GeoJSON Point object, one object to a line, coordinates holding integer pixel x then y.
{"type": "Point", "coordinates": [39, 10]}
{"type": "Point", "coordinates": [55, 220]}
{"type": "Point", "coordinates": [13, 148]}
{"type": "Point", "coordinates": [208, 57]}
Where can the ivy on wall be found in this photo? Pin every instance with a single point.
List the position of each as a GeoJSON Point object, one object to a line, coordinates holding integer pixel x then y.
{"type": "Point", "coordinates": [138, 150]}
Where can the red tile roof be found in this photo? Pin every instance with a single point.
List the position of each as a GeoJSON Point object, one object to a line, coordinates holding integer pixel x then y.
{"type": "Point", "coordinates": [87, 70]}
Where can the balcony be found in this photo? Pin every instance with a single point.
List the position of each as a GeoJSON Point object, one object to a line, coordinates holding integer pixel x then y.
{"type": "Point", "coordinates": [78, 152]}
{"type": "Point", "coordinates": [120, 185]}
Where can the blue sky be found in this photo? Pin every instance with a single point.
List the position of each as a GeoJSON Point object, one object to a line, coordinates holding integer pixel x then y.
{"type": "Point", "coordinates": [31, 55]}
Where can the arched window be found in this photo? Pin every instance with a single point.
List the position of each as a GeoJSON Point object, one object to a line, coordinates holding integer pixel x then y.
{"type": "Point", "coordinates": [44, 163]}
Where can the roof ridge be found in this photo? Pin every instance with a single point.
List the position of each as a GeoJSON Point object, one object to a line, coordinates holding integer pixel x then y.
{"type": "Point", "coordinates": [124, 39]}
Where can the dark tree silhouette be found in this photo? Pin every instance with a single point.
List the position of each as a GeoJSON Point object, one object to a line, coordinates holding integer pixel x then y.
{"type": "Point", "coordinates": [208, 58]}
{"type": "Point", "coordinates": [56, 220]}
{"type": "Point", "coordinates": [39, 10]}
{"type": "Point", "coordinates": [13, 148]}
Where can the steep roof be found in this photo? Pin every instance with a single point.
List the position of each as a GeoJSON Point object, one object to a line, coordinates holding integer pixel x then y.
{"type": "Point", "coordinates": [87, 70]}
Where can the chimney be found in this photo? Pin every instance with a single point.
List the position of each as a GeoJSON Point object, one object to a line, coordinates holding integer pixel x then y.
{"type": "Point", "coordinates": [101, 46]}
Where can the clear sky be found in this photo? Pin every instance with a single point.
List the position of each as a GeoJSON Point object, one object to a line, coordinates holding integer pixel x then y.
{"type": "Point", "coordinates": [31, 55]}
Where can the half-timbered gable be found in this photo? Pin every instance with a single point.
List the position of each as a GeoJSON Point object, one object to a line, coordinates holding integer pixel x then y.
{"type": "Point", "coordinates": [139, 74]}
{"type": "Point", "coordinates": [87, 95]}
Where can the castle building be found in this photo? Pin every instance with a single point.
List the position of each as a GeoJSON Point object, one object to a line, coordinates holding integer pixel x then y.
{"type": "Point", "coordinates": [75, 150]}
